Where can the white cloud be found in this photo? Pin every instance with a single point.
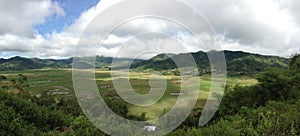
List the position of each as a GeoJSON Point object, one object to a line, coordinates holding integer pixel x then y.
{"type": "Point", "coordinates": [19, 17]}
{"type": "Point", "coordinates": [250, 25]}
{"type": "Point", "coordinates": [258, 26]}
{"type": "Point", "coordinates": [261, 26]}
{"type": "Point", "coordinates": [113, 39]}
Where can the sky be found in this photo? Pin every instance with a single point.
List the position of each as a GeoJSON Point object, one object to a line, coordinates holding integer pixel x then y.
{"type": "Point", "coordinates": [60, 28]}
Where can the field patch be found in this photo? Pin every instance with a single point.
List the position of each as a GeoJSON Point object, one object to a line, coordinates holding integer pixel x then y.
{"type": "Point", "coordinates": [58, 82]}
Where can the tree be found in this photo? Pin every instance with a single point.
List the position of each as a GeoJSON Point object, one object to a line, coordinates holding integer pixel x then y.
{"type": "Point", "coordinates": [276, 84]}
{"type": "Point", "coordinates": [21, 82]}
{"type": "Point", "coordinates": [295, 63]}
{"type": "Point", "coordinates": [83, 126]}
{"type": "Point", "coordinates": [117, 105]}
{"type": "Point", "coordinates": [2, 78]}
{"type": "Point", "coordinates": [13, 82]}
{"type": "Point", "coordinates": [295, 74]}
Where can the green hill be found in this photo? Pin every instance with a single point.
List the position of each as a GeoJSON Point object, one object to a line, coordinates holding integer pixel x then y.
{"type": "Point", "coordinates": [20, 63]}
{"type": "Point", "coordinates": [238, 62]}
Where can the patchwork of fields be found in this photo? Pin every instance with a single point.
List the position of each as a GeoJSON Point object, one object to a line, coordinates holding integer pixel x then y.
{"type": "Point", "coordinates": [58, 82]}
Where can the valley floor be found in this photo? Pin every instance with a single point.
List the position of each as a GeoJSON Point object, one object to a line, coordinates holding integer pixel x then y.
{"type": "Point", "coordinates": [58, 82]}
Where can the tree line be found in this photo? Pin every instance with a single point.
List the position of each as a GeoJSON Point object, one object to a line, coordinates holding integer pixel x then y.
{"type": "Point", "coordinates": [18, 83]}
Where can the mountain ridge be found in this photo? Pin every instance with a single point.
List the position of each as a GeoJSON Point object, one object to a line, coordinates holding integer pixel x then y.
{"type": "Point", "coordinates": [237, 62]}
{"type": "Point", "coordinates": [22, 63]}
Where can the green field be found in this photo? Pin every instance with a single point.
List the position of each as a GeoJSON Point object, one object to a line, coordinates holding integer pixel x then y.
{"type": "Point", "coordinates": [59, 83]}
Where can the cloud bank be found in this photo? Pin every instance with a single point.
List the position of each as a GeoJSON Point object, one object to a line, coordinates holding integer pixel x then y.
{"type": "Point", "coordinates": [270, 27]}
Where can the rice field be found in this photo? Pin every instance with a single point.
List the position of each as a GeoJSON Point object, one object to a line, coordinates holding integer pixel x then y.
{"type": "Point", "coordinates": [58, 82]}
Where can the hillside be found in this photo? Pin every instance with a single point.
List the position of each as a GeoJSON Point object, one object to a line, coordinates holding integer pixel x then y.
{"type": "Point", "coordinates": [20, 63]}
{"type": "Point", "coordinates": [238, 62]}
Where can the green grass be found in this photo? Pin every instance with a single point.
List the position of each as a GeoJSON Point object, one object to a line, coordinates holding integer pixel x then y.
{"type": "Point", "coordinates": [60, 80]}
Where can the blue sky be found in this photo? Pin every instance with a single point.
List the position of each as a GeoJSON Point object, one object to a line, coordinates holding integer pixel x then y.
{"type": "Point", "coordinates": [73, 9]}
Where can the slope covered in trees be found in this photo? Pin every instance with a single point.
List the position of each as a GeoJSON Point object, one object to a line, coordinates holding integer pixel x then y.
{"type": "Point", "coordinates": [20, 63]}
{"type": "Point", "coordinates": [237, 62]}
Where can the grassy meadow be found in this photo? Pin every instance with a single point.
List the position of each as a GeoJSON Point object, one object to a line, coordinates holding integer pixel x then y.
{"type": "Point", "coordinates": [58, 82]}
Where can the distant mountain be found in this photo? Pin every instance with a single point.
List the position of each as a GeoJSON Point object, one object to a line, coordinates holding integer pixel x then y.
{"type": "Point", "coordinates": [238, 62]}
{"type": "Point", "coordinates": [20, 63]}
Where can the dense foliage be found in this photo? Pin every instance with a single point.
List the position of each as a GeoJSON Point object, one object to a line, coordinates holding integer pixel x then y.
{"type": "Point", "coordinates": [23, 114]}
